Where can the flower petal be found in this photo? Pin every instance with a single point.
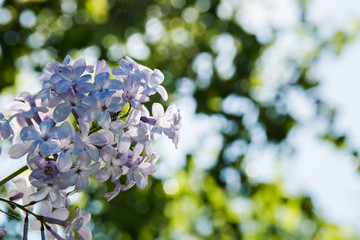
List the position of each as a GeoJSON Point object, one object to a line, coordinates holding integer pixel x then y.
{"type": "Point", "coordinates": [91, 114]}
{"type": "Point", "coordinates": [101, 78]}
{"type": "Point", "coordinates": [60, 213]}
{"type": "Point", "coordinates": [134, 117]}
{"type": "Point", "coordinates": [40, 195]}
{"type": "Point", "coordinates": [103, 174]}
{"type": "Point", "coordinates": [62, 86]}
{"type": "Point", "coordinates": [18, 150]}
{"type": "Point", "coordinates": [49, 147]}
{"type": "Point", "coordinates": [85, 233]}
{"type": "Point", "coordinates": [157, 110]}
{"type": "Point", "coordinates": [61, 112]}
{"type": "Point", "coordinates": [97, 139]}
{"type": "Point", "coordinates": [124, 143]}
{"type": "Point", "coordinates": [162, 91]}
{"type": "Point", "coordinates": [118, 126]}
{"type": "Point", "coordinates": [140, 180]}
{"type": "Point", "coordinates": [29, 133]}
{"type": "Point", "coordinates": [64, 162]}
{"type": "Point", "coordinates": [85, 87]}
{"type": "Point", "coordinates": [104, 120]}
{"type": "Point", "coordinates": [79, 67]}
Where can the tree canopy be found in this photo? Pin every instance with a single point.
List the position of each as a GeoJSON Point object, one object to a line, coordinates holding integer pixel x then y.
{"type": "Point", "coordinates": [205, 48]}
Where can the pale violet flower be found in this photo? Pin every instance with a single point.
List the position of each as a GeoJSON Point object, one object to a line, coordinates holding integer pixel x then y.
{"type": "Point", "coordinates": [77, 118]}
{"type": "Point", "coordinates": [138, 168]}
{"type": "Point", "coordinates": [102, 109]}
{"type": "Point", "coordinates": [114, 161]}
{"type": "Point", "coordinates": [57, 216]}
{"type": "Point", "coordinates": [126, 130]}
{"type": "Point", "coordinates": [78, 225]}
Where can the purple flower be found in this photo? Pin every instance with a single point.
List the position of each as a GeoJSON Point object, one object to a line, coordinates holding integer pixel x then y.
{"type": "Point", "coordinates": [79, 175]}
{"type": "Point", "coordinates": [70, 102]}
{"type": "Point", "coordinates": [152, 81]}
{"type": "Point", "coordinates": [27, 106]}
{"type": "Point", "coordinates": [102, 109]}
{"type": "Point", "coordinates": [89, 142]}
{"type": "Point", "coordinates": [67, 144]}
{"type": "Point", "coordinates": [46, 171]}
{"type": "Point", "coordinates": [134, 93]}
{"type": "Point", "coordinates": [51, 190]}
{"type": "Point", "coordinates": [127, 67]}
{"type": "Point", "coordinates": [103, 85]}
{"type": "Point", "coordinates": [57, 216]}
{"type": "Point", "coordinates": [114, 161]}
{"type": "Point", "coordinates": [168, 122]}
{"type": "Point", "coordinates": [127, 130]}
{"type": "Point", "coordinates": [70, 75]}
{"type": "Point", "coordinates": [5, 129]}
{"type": "Point", "coordinates": [78, 225]}
{"type": "Point", "coordinates": [43, 137]}
{"type": "Point", "coordinates": [138, 168]}
{"type": "Point", "coordinates": [41, 129]}
{"type": "Point", "coordinates": [22, 192]}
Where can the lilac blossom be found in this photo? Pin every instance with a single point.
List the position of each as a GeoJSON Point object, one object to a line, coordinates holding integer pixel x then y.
{"type": "Point", "coordinates": [88, 142]}
{"type": "Point", "coordinates": [79, 175]}
{"type": "Point", "coordinates": [134, 93]}
{"type": "Point", "coordinates": [69, 76]}
{"type": "Point", "coordinates": [63, 150]}
{"type": "Point", "coordinates": [22, 192]}
{"type": "Point", "coordinates": [102, 109]}
{"type": "Point", "coordinates": [54, 217]}
{"type": "Point", "coordinates": [66, 136]}
{"type": "Point", "coordinates": [70, 103]}
{"type": "Point", "coordinates": [152, 81]}
{"type": "Point", "coordinates": [127, 130]}
{"type": "Point", "coordinates": [114, 161]}
{"type": "Point", "coordinates": [43, 137]}
{"type": "Point", "coordinates": [138, 168]}
{"type": "Point", "coordinates": [27, 106]}
{"type": "Point", "coordinates": [127, 67]}
{"type": "Point", "coordinates": [5, 129]}
{"type": "Point", "coordinates": [78, 225]}
{"type": "Point", "coordinates": [103, 86]}
{"type": "Point", "coordinates": [46, 170]}
{"type": "Point", "coordinates": [168, 122]}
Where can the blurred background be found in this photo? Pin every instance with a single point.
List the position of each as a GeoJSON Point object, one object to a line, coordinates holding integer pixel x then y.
{"type": "Point", "coordinates": [269, 93]}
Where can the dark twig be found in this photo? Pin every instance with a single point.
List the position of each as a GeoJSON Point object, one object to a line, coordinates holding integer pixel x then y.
{"type": "Point", "coordinates": [26, 227]}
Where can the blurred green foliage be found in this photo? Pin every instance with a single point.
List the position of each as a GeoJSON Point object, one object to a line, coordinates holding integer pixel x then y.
{"type": "Point", "coordinates": [182, 38]}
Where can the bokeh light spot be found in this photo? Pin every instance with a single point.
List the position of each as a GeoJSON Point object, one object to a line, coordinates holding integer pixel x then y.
{"type": "Point", "coordinates": [27, 19]}
{"type": "Point", "coordinates": [178, 3]}
{"type": "Point", "coordinates": [154, 29]}
{"type": "Point", "coordinates": [36, 40]}
{"type": "Point", "coordinates": [253, 169]}
{"type": "Point", "coordinates": [5, 16]}
{"type": "Point", "coordinates": [137, 48]}
{"type": "Point", "coordinates": [190, 14]}
{"type": "Point", "coordinates": [204, 226]}
{"type": "Point", "coordinates": [171, 186]}
{"type": "Point", "coordinates": [203, 5]}
{"type": "Point", "coordinates": [202, 65]}
{"type": "Point", "coordinates": [69, 6]}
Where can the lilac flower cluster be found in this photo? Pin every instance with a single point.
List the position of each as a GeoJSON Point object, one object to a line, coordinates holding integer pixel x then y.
{"type": "Point", "coordinates": [81, 124]}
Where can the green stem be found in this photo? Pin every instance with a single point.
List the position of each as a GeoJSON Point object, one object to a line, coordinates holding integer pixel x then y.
{"type": "Point", "coordinates": [14, 174]}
